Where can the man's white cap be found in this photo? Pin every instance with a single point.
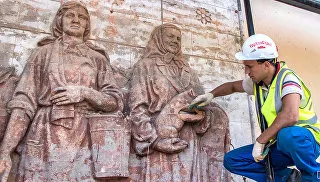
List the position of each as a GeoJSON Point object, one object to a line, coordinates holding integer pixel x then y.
{"type": "Point", "coordinates": [258, 46]}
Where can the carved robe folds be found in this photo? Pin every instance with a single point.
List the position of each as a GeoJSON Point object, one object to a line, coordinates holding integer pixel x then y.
{"type": "Point", "coordinates": [57, 139]}
{"type": "Point", "coordinates": [207, 140]}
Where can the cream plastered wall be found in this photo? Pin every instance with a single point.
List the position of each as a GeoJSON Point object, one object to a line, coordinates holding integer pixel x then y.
{"type": "Point", "coordinates": [296, 33]}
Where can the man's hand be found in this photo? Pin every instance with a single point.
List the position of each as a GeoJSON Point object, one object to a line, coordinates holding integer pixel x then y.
{"type": "Point", "coordinates": [257, 151]}
{"type": "Point", "coordinates": [67, 95]}
{"type": "Point", "coordinates": [201, 100]}
{"type": "Point", "coordinates": [170, 145]}
{"type": "Point", "coordinates": [5, 167]}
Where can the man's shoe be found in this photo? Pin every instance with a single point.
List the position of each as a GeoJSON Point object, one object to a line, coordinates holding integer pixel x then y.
{"type": "Point", "coordinates": [295, 176]}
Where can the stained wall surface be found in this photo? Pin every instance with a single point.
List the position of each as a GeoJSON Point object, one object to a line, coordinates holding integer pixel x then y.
{"type": "Point", "coordinates": [211, 35]}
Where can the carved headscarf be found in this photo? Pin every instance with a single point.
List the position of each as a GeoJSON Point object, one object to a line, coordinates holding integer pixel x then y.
{"type": "Point", "coordinates": [156, 48]}
{"type": "Point", "coordinates": [57, 28]}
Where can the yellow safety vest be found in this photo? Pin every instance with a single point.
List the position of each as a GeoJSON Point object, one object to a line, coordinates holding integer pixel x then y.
{"type": "Point", "coordinates": [272, 104]}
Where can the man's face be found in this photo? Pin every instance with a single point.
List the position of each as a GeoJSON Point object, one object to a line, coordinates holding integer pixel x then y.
{"type": "Point", "coordinates": [74, 21]}
{"type": "Point", "coordinates": [172, 40]}
{"type": "Point", "coordinates": [256, 71]}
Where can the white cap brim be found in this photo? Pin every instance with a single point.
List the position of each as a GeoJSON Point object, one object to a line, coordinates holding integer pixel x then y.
{"type": "Point", "coordinates": [239, 56]}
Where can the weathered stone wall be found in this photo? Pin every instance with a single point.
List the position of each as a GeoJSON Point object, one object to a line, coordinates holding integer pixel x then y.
{"type": "Point", "coordinates": [211, 36]}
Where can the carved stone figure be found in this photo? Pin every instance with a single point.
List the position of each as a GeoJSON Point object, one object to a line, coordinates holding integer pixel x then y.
{"type": "Point", "coordinates": [174, 144]}
{"type": "Point", "coordinates": [65, 79]}
{"type": "Point", "coordinates": [8, 82]}
{"type": "Point", "coordinates": [173, 116]}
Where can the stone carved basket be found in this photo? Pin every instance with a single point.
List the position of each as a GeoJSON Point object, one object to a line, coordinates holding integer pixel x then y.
{"type": "Point", "coordinates": [110, 145]}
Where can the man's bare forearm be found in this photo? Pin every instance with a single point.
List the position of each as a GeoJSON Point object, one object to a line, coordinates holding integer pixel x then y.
{"type": "Point", "coordinates": [228, 88]}
{"type": "Point", "coordinates": [287, 117]}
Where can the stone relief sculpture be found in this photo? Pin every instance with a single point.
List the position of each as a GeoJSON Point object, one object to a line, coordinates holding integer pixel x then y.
{"type": "Point", "coordinates": [174, 144]}
{"type": "Point", "coordinates": [65, 83]}
{"type": "Point", "coordinates": [173, 116]}
{"type": "Point", "coordinates": [8, 82]}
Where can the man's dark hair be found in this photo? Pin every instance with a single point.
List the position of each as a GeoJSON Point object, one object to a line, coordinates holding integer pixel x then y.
{"type": "Point", "coordinates": [272, 61]}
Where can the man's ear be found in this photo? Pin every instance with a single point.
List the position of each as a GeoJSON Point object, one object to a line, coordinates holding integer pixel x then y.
{"type": "Point", "coordinates": [267, 64]}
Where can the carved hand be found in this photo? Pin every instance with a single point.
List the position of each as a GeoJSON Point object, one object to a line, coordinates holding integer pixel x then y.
{"type": "Point", "coordinates": [171, 145]}
{"type": "Point", "coordinates": [67, 95]}
{"type": "Point", "coordinates": [5, 167]}
{"type": "Point", "coordinates": [194, 117]}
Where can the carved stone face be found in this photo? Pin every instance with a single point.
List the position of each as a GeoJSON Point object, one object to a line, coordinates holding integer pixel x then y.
{"type": "Point", "coordinates": [172, 40]}
{"type": "Point", "coordinates": [74, 21]}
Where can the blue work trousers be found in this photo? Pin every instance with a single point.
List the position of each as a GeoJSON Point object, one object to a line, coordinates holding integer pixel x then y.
{"type": "Point", "coordinates": [295, 146]}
